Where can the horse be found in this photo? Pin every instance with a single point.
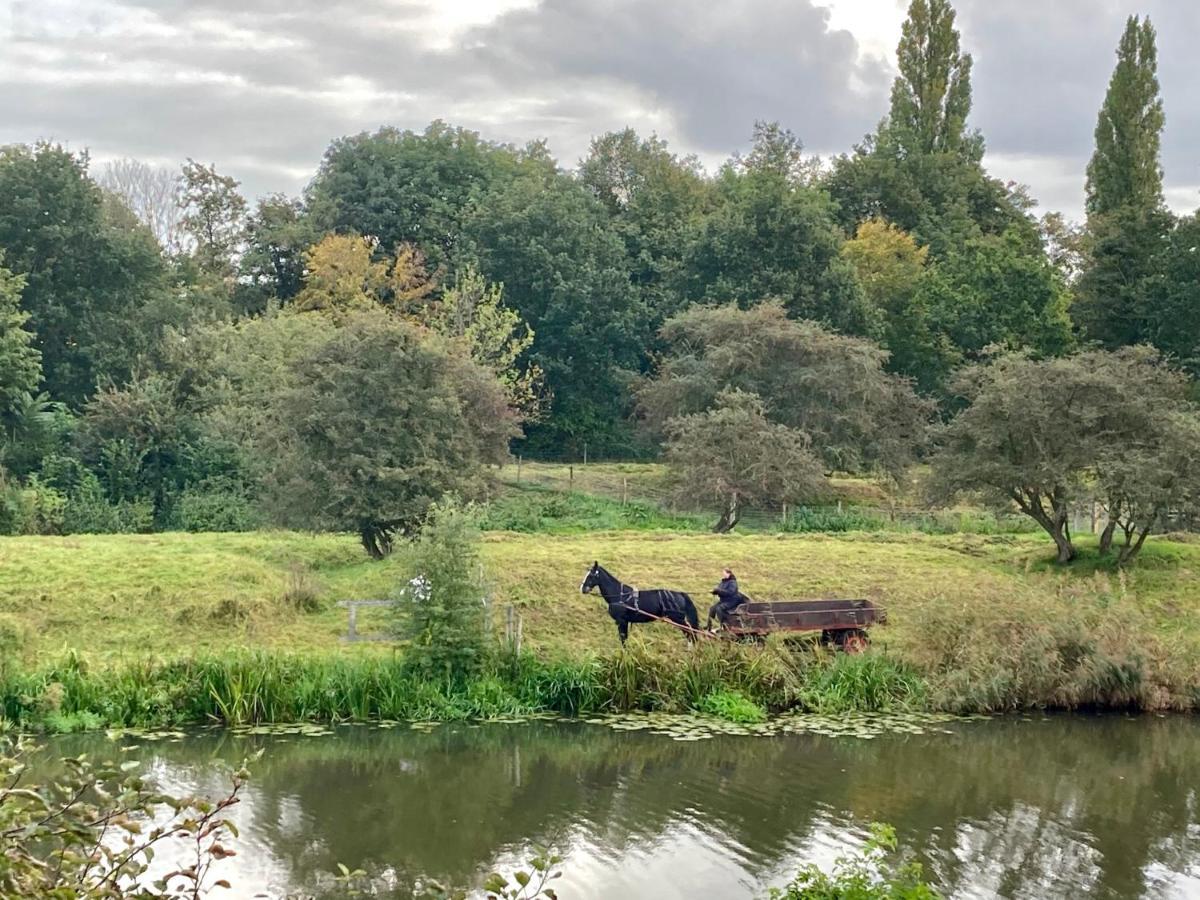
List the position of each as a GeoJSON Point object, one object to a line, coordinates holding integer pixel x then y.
{"type": "Point", "coordinates": [628, 605]}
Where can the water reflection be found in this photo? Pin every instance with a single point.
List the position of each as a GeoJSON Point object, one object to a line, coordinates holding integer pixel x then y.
{"type": "Point", "coordinates": [1061, 807]}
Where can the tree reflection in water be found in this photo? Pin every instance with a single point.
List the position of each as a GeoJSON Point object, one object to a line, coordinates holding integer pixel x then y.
{"type": "Point", "coordinates": [1062, 806]}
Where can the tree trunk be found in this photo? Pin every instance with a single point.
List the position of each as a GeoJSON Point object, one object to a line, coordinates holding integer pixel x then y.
{"type": "Point", "coordinates": [1054, 523]}
{"type": "Point", "coordinates": [729, 516]}
{"type": "Point", "coordinates": [1131, 549]}
{"type": "Point", "coordinates": [376, 541]}
{"type": "Point", "coordinates": [1062, 540]}
{"type": "Point", "coordinates": [1106, 537]}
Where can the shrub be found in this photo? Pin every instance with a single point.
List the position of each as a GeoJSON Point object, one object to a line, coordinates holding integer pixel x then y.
{"type": "Point", "coordinates": [89, 511]}
{"type": "Point", "coordinates": [733, 706]}
{"type": "Point", "coordinates": [301, 591]}
{"type": "Point", "coordinates": [441, 611]}
{"type": "Point", "coordinates": [67, 820]}
{"type": "Point", "coordinates": [217, 505]}
{"type": "Point", "coordinates": [864, 876]}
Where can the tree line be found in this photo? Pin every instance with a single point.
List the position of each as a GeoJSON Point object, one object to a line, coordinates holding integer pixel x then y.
{"type": "Point", "coordinates": [173, 356]}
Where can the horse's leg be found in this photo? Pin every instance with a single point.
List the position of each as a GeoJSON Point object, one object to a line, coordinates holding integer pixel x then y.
{"type": "Point", "coordinates": [623, 631]}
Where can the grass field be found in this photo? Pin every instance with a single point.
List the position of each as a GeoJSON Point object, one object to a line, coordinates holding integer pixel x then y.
{"type": "Point", "coordinates": [114, 597]}
{"type": "Point", "coordinates": [983, 616]}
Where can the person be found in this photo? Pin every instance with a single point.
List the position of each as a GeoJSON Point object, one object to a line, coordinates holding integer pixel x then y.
{"type": "Point", "coordinates": [728, 596]}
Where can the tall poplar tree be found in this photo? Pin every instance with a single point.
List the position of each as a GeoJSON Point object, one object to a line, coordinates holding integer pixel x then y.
{"type": "Point", "coordinates": [922, 169]}
{"type": "Point", "coordinates": [1124, 170]}
{"type": "Point", "coordinates": [931, 98]}
{"type": "Point", "coordinates": [1120, 295]}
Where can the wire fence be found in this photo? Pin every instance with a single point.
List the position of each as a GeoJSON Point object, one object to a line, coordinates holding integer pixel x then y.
{"type": "Point", "coordinates": [865, 506]}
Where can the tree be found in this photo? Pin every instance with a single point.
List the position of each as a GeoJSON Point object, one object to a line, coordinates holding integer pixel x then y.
{"type": "Point", "coordinates": [931, 97]}
{"type": "Point", "coordinates": [408, 187]}
{"type": "Point", "coordinates": [441, 611]}
{"type": "Point", "coordinates": [95, 279]}
{"type": "Point", "coordinates": [1177, 326]}
{"type": "Point", "coordinates": [277, 234]}
{"type": "Point", "coordinates": [892, 268]}
{"type": "Point", "coordinates": [1045, 435]}
{"type": "Point", "coordinates": [922, 169]}
{"type": "Point", "coordinates": [1120, 293]}
{"type": "Point", "coordinates": [143, 442]}
{"type": "Point", "coordinates": [1124, 170]}
{"type": "Point", "coordinates": [151, 193]}
{"type": "Point", "coordinates": [773, 234]}
{"type": "Point", "coordinates": [20, 361]}
{"type": "Point", "coordinates": [564, 270]}
{"type": "Point", "coordinates": [655, 200]}
{"type": "Point", "coordinates": [995, 293]}
{"type": "Point", "coordinates": [214, 217]}
{"type": "Point", "coordinates": [376, 425]}
{"type": "Point", "coordinates": [1146, 476]}
{"type": "Point", "coordinates": [472, 313]}
{"type": "Point", "coordinates": [733, 454]}
{"type": "Point", "coordinates": [342, 275]}
{"type": "Point", "coordinates": [830, 387]}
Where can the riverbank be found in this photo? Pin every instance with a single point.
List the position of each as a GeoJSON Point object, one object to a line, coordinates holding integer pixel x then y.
{"type": "Point", "coordinates": [153, 629]}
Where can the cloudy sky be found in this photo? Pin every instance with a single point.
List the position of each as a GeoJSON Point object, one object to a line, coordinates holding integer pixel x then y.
{"type": "Point", "coordinates": [259, 87]}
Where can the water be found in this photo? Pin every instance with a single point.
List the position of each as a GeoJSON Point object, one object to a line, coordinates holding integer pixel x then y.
{"type": "Point", "coordinates": [1056, 807]}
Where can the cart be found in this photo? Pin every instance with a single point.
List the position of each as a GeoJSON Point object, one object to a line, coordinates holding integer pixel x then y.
{"type": "Point", "coordinates": [842, 623]}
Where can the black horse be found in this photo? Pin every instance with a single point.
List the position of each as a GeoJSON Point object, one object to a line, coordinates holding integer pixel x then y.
{"type": "Point", "coordinates": [628, 605]}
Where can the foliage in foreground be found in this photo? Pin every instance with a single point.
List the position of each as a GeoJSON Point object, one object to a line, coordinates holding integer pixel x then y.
{"type": "Point", "coordinates": [93, 830]}
{"type": "Point", "coordinates": [867, 875]}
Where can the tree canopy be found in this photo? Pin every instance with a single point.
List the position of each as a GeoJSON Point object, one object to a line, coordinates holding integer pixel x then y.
{"type": "Point", "coordinates": [830, 387]}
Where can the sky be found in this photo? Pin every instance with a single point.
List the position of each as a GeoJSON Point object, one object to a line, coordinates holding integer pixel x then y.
{"type": "Point", "coordinates": [260, 87]}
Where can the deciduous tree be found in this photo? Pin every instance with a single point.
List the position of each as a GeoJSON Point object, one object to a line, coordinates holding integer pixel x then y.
{"type": "Point", "coordinates": [214, 217]}
{"type": "Point", "coordinates": [377, 424]}
{"type": "Point", "coordinates": [831, 387]}
{"type": "Point", "coordinates": [733, 455]}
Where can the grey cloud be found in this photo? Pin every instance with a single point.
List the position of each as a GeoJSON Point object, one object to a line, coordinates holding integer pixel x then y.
{"type": "Point", "coordinates": [700, 72]}
{"type": "Point", "coordinates": [160, 79]}
{"type": "Point", "coordinates": [715, 67]}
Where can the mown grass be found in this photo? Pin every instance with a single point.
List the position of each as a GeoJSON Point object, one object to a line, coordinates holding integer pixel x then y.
{"type": "Point", "coordinates": [977, 622]}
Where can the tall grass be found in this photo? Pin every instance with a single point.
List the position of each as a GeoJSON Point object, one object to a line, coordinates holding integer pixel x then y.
{"type": "Point", "coordinates": [246, 688]}
{"type": "Point", "coordinates": [1087, 644]}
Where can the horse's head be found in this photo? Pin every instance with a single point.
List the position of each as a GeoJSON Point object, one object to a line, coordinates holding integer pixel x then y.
{"type": "Point", "coordinates": [591, 579]}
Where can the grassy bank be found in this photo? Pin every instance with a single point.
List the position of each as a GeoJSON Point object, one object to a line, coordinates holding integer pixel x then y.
{"type": "Point", "coordinates": [985, 622]}
{"type": "Point", "coordinates": [246, 687]}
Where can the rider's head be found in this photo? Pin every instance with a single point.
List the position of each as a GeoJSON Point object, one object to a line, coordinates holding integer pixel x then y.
{"type": "Point", "coordinates": [727, 572]}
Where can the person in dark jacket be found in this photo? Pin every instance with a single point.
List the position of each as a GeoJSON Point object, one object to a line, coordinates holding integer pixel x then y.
{"type": "Point", "coordinates": [728, 596]}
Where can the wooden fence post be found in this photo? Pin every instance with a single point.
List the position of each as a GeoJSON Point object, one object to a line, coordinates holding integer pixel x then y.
{"type": "Point", "coordinates": [518, 468]}
{"type": "Point", "coordinates": [624, 491]}
{"type": "Point", "coordinates": [585, 453]}
{"type": "Point", "coordinates": [784, 517]}
{"type": "Point", "coordinates": [570, 478]}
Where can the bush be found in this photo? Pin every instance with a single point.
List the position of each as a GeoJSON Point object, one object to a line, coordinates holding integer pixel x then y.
{"type": "Point", "coordinates": [68, 820]}
{"type": "Point", "coordinates": [89, 511]}
{"type": "Point", "coordinates": [864, 876]}
{"type": "Point", "coordinates": [301, 591]}
{"type": "Point", "coordinates": [732, 706]}
{"type": "Point", "coordinates": [217, 505]}
{"type": "Point", "coordinates": [441, 611]}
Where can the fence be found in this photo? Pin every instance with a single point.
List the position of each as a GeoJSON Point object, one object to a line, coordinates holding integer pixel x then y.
{"type": "Point", "coordinates": [867, 507]}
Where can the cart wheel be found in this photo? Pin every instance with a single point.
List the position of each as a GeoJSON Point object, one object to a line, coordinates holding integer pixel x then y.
{"type": "Point", "coordinates": [855, 641]}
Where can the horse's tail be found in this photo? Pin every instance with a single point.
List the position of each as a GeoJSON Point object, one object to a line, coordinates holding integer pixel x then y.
{"type": "Point", "coordinates": [689, 610]}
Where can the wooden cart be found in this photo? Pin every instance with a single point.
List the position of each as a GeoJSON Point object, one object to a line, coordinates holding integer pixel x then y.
{"type": "Point", "coordinates": [842, 623]}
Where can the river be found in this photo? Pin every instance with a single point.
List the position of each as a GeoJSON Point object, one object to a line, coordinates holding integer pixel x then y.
{"type": "Point", "coordinates": [1037, 807]}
